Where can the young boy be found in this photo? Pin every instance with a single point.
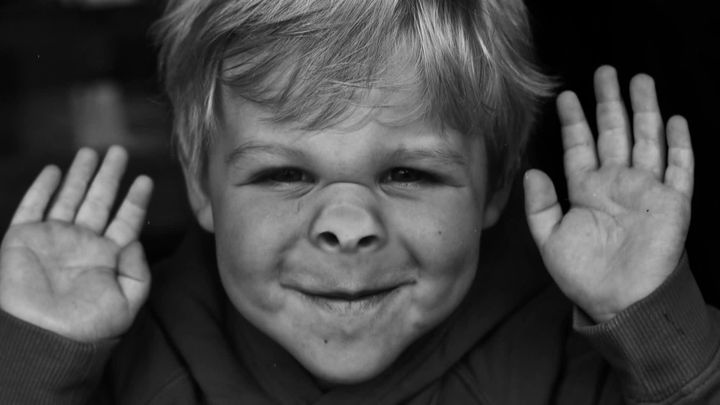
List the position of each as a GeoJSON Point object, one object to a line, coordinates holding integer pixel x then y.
{"type": "Point", "coordinates": [345, 161]}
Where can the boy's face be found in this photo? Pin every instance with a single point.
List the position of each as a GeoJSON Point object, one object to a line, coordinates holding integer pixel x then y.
{"type": "Point", "coordinates": [344, 245]}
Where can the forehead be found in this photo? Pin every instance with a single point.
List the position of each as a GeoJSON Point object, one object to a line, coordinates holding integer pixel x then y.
{"type": "Point", "coordinates": [384, 110]}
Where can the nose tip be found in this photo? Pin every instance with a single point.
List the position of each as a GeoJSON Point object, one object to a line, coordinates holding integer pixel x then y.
{"type": "Point", "coordinates": [347, 228]}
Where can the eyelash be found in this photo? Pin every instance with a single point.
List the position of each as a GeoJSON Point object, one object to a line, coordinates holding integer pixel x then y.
{"type": "Point", "coordinates": [279, 176]}
{"type": "Point", "coordinates": [274, 175]}
{"type": "Point", "coordinates": [418, 176]}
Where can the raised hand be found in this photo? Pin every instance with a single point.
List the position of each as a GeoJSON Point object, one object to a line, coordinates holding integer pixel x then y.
{"type": "Point", "coordinates": [630, 199]}
{"type": "Point", "coordinates": [68, 271]}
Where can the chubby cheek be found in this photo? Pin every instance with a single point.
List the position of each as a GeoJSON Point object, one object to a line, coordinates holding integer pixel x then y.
{"type": "Point", "coordinates": [251, 235]}
{"type": "Point", "coordinates": [444, 238]}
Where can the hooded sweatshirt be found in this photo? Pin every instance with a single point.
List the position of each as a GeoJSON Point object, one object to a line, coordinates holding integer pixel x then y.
{"type": "Point", "coordinates": [514, 340]}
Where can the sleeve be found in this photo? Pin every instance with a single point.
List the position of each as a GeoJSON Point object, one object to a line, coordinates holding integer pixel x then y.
{"type": "Point", "coordinates": [664, 349]}
{"type": "Point", "coordinates": [41, 367]}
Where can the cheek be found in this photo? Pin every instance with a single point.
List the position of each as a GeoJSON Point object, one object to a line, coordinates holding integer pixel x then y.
{"type": "Point", "coordinates": [444, 238]}
{"type": "Point", "coordinates": [251, 235]}
{"type": "Point", "coordinates": [446, 228]}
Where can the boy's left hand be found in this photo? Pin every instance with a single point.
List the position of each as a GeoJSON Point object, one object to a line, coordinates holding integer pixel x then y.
{"type": "Point", "coordinates": [630, 209]}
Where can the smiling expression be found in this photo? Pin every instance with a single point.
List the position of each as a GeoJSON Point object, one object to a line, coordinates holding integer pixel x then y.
{"type": "Point", "coordinates": [346, 244]}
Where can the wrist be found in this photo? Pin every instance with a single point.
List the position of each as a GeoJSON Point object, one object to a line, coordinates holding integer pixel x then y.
{"type": "Point", "coordinates": [660, 343]}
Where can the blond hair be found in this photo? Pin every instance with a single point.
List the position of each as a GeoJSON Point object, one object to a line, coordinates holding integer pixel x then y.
{"type": "Point", "coordinates": [470, 64]}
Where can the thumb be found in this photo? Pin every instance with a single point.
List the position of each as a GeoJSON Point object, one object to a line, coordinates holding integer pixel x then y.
{"type": "Point", "coordinates": [134, 275]}
{"type": "Point", "coordinates": [541, 205]}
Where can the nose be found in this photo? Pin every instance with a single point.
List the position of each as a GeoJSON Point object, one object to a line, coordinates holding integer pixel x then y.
{"type": "Point", "coordinates": [347, 228]}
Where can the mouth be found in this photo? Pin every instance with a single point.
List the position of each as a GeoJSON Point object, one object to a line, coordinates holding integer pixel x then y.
{"type": "Point", "coordinates": [350, 303]}
{"type": "Point", "coordinates": [341, 295]}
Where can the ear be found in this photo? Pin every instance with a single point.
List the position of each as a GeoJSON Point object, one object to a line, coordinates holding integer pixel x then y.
{"type": "Point", "coordinates": [495, 205]}
{"type": "Point", "coordinates": [199, 199]}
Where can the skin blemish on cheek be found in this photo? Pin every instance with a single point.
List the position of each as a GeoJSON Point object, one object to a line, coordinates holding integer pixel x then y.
{"type": "Point", "coordinates": [325, 341]}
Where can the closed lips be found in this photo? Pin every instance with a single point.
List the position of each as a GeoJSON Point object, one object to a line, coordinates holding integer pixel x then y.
{"type": "Point", "coordinates": [349, 295]}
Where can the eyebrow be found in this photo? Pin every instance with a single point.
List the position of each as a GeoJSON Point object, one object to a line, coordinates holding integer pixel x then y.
{"type": "Point", "coordinates": [250, 148]}
{"type": "Point", "coordinates": [440, 155]}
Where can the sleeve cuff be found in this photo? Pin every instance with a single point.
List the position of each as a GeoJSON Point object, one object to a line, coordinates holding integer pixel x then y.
{"type": "Point", "coordinates": [41, 367]}
{"type": "Point", "coordinates": [661, 343]}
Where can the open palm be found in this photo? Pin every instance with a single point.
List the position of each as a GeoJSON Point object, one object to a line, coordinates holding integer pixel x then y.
{"type": "Point", "coordinates": [69, 271]}
{"type": "Point", "coordinates": [630, 199]}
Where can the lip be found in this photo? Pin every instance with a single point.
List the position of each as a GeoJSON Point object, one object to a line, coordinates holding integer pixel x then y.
{"type": "Point", "coordinates": [351, 302]}
{"type": "Point", "coordinates": [348, 295]}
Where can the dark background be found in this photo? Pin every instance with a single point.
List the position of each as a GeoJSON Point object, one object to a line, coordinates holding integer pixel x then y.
{"type": "Point", "coordinates": [63, 65]}
{"type": "Point", "coordinates": [678, 43]}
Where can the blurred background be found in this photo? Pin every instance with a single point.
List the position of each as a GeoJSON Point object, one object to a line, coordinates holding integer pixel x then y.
{"type": "Point", "coordinates": [82, 73]}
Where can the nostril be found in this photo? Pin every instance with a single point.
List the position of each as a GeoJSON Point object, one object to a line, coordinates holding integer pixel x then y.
{"type": "Point", "coordinates": [367, 241]}
{"type": "Point", "coordinates": [331, 240]}
{"type": "Point", "coordinates": [328, 238]}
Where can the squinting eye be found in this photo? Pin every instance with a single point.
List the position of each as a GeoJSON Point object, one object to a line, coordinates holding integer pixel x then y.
{"type": "Point", "coordinates": [283, 175]}
{"type": "Point", "coordinates": [405, 175]}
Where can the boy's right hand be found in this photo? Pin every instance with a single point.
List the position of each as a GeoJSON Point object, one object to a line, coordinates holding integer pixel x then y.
{"type": "Point", "coordinates": [66, 271]}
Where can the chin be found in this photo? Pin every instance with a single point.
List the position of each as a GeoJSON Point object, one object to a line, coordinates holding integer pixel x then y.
{"type": "Point", "coordinates": [343, 366]}
{"type": "Point", "coordinates": [344, 374]}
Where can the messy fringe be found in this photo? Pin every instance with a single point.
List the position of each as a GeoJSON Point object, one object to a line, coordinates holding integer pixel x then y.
{"type": "Point", "coordinates": [469, 64]}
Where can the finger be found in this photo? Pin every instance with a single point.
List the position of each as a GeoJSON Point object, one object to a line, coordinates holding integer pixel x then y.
{"type": "Point", "coordinates": [74, 186]}
{"type": "Point", "coordinates": [128, 221]}
{"type": "Point", "coordinates": [648, 152]}
{"type": "Point", "coordinates": [134, 276]}
{"type": "Point", "coordinates": [541, 205]}
{"type": "Point", "coordinates": [577, 138]}
{"type": "Point", "coordinates": [612, 120]}
{"type": "Point", "coordinates": [681, 161]}
{"type": "Point", "coordinates": [95, 209]}
{"type": "Point", "coordinates": [32, 206]}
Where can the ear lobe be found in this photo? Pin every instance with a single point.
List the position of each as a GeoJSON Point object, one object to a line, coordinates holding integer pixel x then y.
{"type": "Point", "coordinates": [495, 206]}
{"type": "Point", "coordinates": [199, 201]}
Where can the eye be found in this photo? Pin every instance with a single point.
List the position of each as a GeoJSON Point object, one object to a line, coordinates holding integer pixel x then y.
{"type": "Point", "coordinates": [282, 175]}
{"type": "Point", "coordinates": [404, 175]}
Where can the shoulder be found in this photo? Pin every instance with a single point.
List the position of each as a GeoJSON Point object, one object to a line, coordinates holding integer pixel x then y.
{"type": "Point", "coordinates": [148, 366]}
{"type": "Point", "coordinates": [146, 369]}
